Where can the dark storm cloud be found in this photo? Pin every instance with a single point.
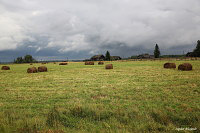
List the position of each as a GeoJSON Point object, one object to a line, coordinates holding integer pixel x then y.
{"type": "Point", "coordinates": [80, 28]}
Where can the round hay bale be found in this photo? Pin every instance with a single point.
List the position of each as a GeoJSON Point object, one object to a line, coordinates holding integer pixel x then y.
{"type": "Point", "coordinates": [100, 63]}
{"type": "Point", "coordinates": [32, 70]}
{"type": "Point", "coordinates": [63, 63]}
{"type": "Point", "coordinates": [185, 67]}
{"type": "Point", "coordinates": [5, 68]}
{"type": "Point", "coordinates": [31, 64]}
{"type": "Point", "coordinates": [109, 66]}
{"type": "Point", "coordinates": [170, 65]}
{"type": "Point", "coordinates": [42, 69]}
{"type": "Point", "coordinates": [89, 63]}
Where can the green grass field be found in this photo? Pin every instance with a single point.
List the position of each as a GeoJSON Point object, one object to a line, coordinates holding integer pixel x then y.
{"type": "Point", "coordinates": [136, 96]}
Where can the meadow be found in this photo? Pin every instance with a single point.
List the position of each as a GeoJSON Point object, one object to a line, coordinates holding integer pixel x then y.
{"type": "Point", "coordinates": [135, 96]}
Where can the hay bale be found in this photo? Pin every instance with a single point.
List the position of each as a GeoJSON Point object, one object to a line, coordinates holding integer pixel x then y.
{"type": "Point", "coordinates": [170, 65]}
{"type": "Point", "coordinates": [32, 70]}
{"type": "Point", "coordinates": [5, 68]}
{"type": "Point", "coordinates": [185, 67]}
{"type": "Point", "coordinates": [44, 63]}
{"type": "Point", "coordinates": [42, 69]}
{"type": "Point", "coordinates": [31, 64]}
{"type": "Point", "coordinates": [63, 63]}
{"type": "Point", "coordinates": [100, 63]}
{"type": "Point", "coordinates": [109, 66]}
{"type": "Point", "coordinates": [89, 63]}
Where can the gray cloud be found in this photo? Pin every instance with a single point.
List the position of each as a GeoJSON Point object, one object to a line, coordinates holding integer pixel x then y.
{"type": "Point", "coordinates": [74, 27]}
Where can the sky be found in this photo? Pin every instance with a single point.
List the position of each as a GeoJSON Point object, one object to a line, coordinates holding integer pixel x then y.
{"type": "Point", "coordinates": [78, 29]}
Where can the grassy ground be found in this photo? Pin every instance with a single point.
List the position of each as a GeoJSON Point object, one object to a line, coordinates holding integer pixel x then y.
{"type": "Point", "coordinates": [136, 96]}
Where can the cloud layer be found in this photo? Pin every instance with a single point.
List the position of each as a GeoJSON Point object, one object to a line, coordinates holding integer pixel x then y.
{"type": "Point", "coordinates": [125, 27]}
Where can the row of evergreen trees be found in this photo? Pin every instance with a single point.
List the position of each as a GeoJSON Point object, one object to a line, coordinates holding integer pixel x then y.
{"type": "Point", "coordinates": [156, 53]}
{"type": "Point", "coordinates": [25, 59]}
{"type": "Point", "coordinates": [195, 53]}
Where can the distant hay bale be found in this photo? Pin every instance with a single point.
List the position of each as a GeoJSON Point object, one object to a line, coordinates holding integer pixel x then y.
{"type": "Point", "coordinates": [100, 63]}
{"type": "Point", "coordinates": [54, 63]}
{"type": "Point", "coordinates": [31, 64]}
{"type": "Point", "coordinates": [44, 63]}
{"type": "Point", "coordinates": [42, 69]}
{"type": "Point", "coordinates": [109, 66]}
{"type": "Point", "coordinates": [185, 67]}
{"type": "Point", "coordinates": [170, 65]}
{"type": "Point", "coordinates": [5, 68]}
{"type": "Point", "coordinates": [63, 63]}
{"type": "Point", "coordinates": [32, 70]}
{"type": "Point", "coordinates": [89, 63]}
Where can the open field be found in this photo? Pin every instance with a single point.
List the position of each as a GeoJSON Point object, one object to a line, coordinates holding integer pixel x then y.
{"type": "Point", "coordinates": [136, 96]}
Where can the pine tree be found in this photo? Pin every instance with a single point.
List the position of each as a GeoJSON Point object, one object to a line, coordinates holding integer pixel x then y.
{"type": "Point", "coordinates": [156, 51]}
{"type": "Point", "coordinates": [107, 55]}
{"type": "Point", "coordinates": [196, 52]}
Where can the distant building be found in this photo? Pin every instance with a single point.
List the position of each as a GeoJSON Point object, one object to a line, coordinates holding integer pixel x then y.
{"type": "Point", "coordinates": [145, 56]}
{"type": "Point", "coordinates": [115, 57]}
{"type": "Point", "coordinates": [97, 57]}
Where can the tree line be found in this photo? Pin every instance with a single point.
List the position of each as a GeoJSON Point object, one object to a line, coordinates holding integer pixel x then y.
{"type": "Point", "coordinates": [25, 59]}
{"type": "Point", "coordinates": [195, 53]}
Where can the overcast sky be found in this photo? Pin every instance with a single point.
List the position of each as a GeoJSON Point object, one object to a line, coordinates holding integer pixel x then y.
{"type": "Point", "coordinates": [78, 29]}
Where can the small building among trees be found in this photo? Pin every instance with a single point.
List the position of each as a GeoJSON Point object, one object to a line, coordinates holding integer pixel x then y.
{"type": "Point", "coordinates": [102, 57]}
{"type": "Point", "coordinates": [115, 57]}
{"type": "Point", "coordinates": [97, 57]}
{"type": "Point", "coordinates": [145, 56]}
